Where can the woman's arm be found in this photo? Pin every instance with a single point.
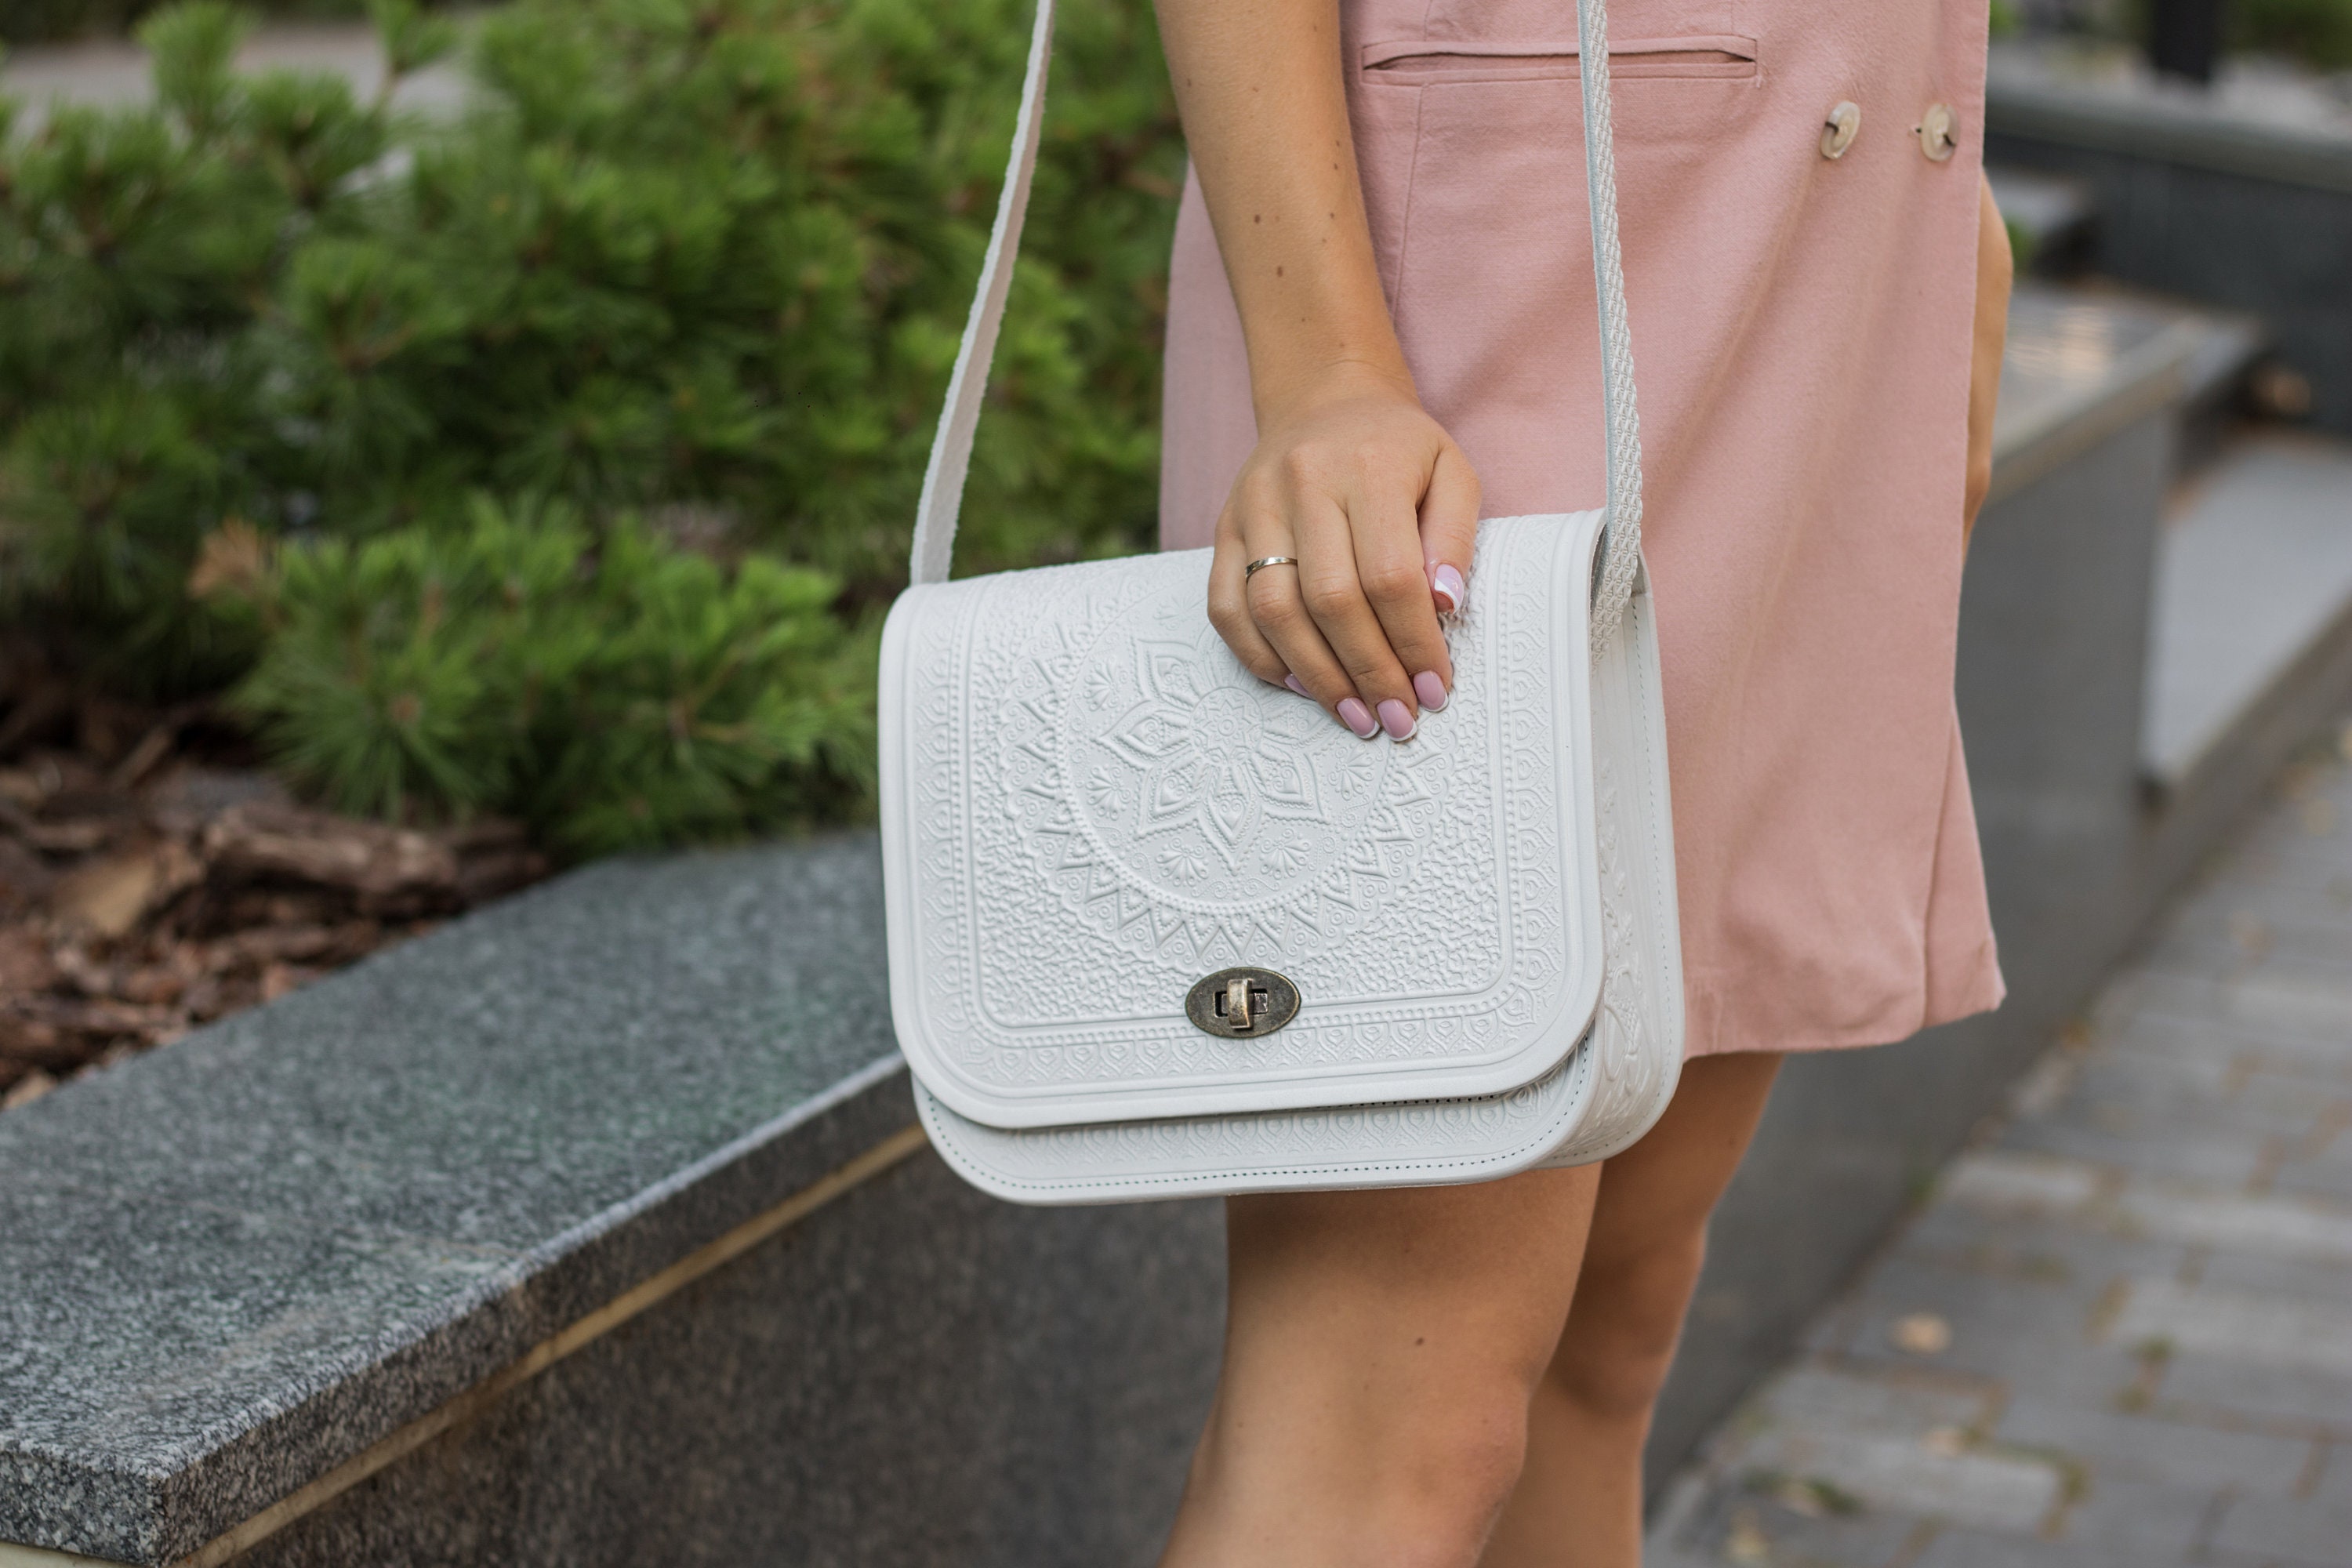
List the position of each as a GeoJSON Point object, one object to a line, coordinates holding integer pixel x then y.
{"type": "Point", "coordinates": [1994, 265]}
{"type": "Point", "coordinates": [1350, 476]}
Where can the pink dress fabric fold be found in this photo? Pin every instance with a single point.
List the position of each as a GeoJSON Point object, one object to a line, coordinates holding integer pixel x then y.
{"type": "Point", "coordinates": [1800, 337]}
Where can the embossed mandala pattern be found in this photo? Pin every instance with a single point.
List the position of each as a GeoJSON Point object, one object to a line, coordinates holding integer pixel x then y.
{"type": "Point", "coordinates": [1169, 796]}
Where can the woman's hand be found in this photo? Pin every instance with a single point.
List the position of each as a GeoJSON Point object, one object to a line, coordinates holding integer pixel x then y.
{"type": "Point", "coordinates": [1380, 509]}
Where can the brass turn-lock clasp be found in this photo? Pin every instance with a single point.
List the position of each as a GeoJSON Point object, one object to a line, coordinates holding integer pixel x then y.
{"type": "Point", "coordinates": [1242, 1003]}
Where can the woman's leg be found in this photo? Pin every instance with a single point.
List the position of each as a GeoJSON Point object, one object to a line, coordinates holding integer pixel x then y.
{"type": "Point", "coordinates": [1579, 1499]}
{"type": "Point", "coordinates": [1381, 1352]}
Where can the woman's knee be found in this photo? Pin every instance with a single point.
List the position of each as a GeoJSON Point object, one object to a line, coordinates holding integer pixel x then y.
{"type": "Point", "coordinates": [1449, 1428]}
{"type": "Point", "coordinates": [1408, 1472]}
{"type": "Point", "coordinates": [1620, 1340]}
{"type": "Point", "coordinates": [1452, 1469]}
{"type": "Point", "coordinates": [1382, 1351]}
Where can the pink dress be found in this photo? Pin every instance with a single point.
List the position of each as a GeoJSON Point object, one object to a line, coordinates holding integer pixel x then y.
{"type": "Point", "coordinates": [1801, 338]}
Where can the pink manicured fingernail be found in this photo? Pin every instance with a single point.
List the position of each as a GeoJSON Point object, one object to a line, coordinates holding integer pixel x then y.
{"type": "Point", "coordinates": [1451, 593]}
{"type": "Point", "coordinates": [1358, 718]}
{"type": "Point", "coordinates": [1292, 682]}
{"type": "Point", "coordinates": [1431, 690]}
{"type": "Point", "coordinates": [1397, 719]}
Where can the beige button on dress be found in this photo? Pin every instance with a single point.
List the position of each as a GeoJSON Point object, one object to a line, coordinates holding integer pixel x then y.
{"type": "Point", "coordinates": [1801, 338]}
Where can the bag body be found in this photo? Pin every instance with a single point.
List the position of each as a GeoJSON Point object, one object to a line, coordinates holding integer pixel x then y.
{"type": "Point", "coordinates": [1158, 928]}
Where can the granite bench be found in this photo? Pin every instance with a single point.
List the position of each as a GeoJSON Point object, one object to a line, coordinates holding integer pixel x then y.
{"type": "Point", "coordinates": [594, 1228]}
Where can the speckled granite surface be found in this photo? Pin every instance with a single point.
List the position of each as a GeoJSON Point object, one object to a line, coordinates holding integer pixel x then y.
{"type": "Point", "coordinates": [917, 1376]}
{"type": "Point", "coordinates": [229, 1265]}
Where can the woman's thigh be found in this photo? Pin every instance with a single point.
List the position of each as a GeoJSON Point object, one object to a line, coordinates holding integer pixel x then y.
{"type": "Point", "coordinates": [1349, 1310]}
{"type": "Point", "coordinates": [1385, 1292]}
{"type": "Point", "coordinates": [1380, 1351]}
{"type": "Point", "coordinates": [1435, 1269]}
{"type": "Point", "coordinates": [1648, 1233]}
{"type": "Point", "coordinates": [1673, 1176]}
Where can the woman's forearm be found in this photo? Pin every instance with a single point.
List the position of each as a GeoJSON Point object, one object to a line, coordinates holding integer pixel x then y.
{"type": "Point", "coordinates": [1266, 115]}
{"type": "Point", "coordinates": [1351, 525]}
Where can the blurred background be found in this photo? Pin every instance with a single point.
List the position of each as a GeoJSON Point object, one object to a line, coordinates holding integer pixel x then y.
{"type": "Point", "coordinates": [440, 447]}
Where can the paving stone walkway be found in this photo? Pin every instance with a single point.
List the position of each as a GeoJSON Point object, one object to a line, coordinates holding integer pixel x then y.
{"type": "Point", "coordinates": [2118, 1334]}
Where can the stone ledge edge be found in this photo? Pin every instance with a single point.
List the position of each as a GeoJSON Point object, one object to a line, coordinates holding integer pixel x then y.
{"type": "Point", "coordinates": [577, 1335]}
{"type": "Point", "coordinates": [2150, 131]}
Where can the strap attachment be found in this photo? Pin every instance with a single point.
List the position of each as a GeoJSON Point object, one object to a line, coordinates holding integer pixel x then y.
{"type": "Point", "coordinates": [943, 479]}
{"type": "Point", "coordinates": [1620, 561]}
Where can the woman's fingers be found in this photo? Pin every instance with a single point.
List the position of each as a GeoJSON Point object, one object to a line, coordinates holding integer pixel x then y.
{"type": "Point", "coordinates": [1333, 593]}
{"type": "Point", "coordinates": [1278, 607]}
{"type": "Point", "coordinates": [1395, 581]}
{"type": "Point", "coordinates": [1229, 609]}
{"type": "Point", "coordinates": [1262, 619]}
{"type": "Point", "coordinates": [1449, 531]}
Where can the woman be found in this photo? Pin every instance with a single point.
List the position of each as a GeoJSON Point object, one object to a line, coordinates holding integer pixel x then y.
{"type": "Point", "coordinates": [1381, 329]}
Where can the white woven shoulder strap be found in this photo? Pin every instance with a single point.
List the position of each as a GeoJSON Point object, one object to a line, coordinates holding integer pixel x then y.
{"type": "Point", "coordinates": [943, 480]}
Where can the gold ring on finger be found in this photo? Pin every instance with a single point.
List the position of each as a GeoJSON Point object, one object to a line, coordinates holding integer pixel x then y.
{"type": "Point", "coordinates": [1251, 569]}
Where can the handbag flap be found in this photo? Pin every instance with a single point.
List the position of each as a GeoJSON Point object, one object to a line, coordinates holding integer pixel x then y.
{"type": "Point", "coordinates": [1089, 805]}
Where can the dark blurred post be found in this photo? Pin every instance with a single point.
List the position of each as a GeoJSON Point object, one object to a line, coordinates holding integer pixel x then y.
{"type": "Point", "coordinates": [2184, 37]}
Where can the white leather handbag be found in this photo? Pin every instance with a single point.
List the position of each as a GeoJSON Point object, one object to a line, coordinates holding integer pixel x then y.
{"type": "Point", "coordinates": [1158, 928]}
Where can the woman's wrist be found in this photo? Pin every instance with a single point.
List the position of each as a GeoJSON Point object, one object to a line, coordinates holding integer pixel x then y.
{"type": "Point", "coordinates": [1284, 397]}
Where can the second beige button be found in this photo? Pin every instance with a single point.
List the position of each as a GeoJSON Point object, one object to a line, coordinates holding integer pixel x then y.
{"type": "Point", "coordinates": [1936, 138]}
{"type": "Point", "coordinates": [1837, 131]}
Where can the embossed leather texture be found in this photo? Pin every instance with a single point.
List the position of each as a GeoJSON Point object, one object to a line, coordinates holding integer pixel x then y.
{"type": "Point", "coordinates": [1088, 806]}
{"type": "Point", "coordinates": [1612, 1086]}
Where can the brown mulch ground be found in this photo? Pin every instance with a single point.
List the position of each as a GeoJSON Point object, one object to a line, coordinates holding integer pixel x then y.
{"type": "Point", "coordinates": [151, 880]}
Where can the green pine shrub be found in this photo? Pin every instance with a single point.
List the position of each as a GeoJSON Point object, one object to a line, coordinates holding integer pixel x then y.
{"type": "Point", "coordinates": [570, 448]}
{"type": "Point", "coordinates": [611, 689]}
{"type": "Point", "coordinates": [144, 377]}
